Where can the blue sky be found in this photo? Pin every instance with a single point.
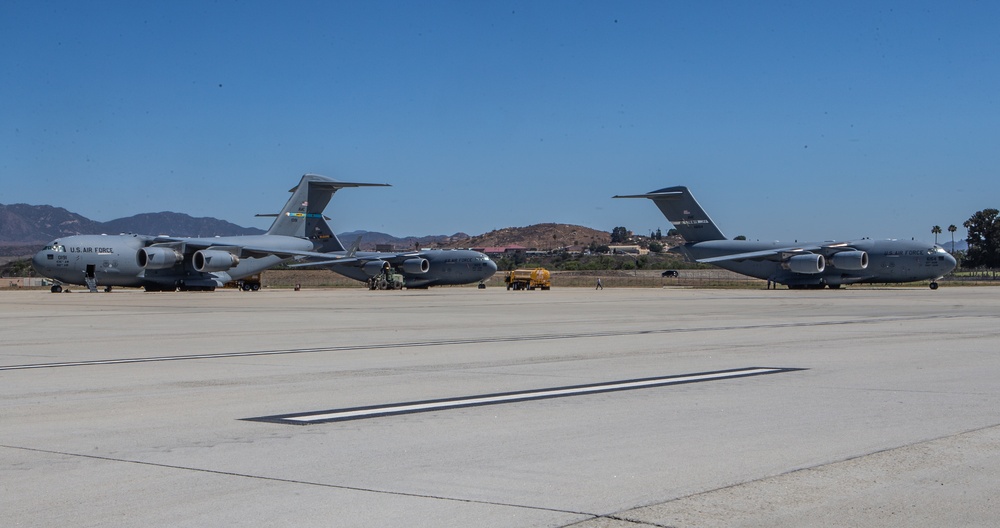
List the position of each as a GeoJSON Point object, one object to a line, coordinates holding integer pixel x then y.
{"type": "Point", "coordinates": [788, 120]}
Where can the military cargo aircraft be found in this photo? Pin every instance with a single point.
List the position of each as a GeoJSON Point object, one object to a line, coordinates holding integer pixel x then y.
{"type": "Point", "coordinates": [799, 266]}
{"type": "Point", "coordinates": [164, 263]}
{"type": "Point", "coordinates": [419, 269]}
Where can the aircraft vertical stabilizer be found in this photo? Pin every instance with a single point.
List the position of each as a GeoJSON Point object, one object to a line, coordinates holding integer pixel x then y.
{"type": "Point", "coordinates": [302, 215]}
{"type": "Point", "coordinates": [684, 212]}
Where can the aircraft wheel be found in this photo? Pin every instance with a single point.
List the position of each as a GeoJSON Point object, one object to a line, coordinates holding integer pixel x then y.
{"type": "Point", "coordinates": [934, 285]}
{"type": "Point", "coordinates": [56, 288]}
{"type": "Point", "coordinates": [255, 286]}
{"type": "Point", "coordinates": [107, 289]}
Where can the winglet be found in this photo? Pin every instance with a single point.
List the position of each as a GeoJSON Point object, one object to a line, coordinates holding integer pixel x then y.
{"type": "Point", "coordinates": [354, 247]}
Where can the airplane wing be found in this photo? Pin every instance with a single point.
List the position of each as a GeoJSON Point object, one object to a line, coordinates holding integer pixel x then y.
{"type": "Point", "coordinates": [242, 250]}
{"type": "Point", "coordinates": [782, 253]}
{"type": "Point", "coordinates": [351, 258]}
{"type": "Point", "coordinates": [335, 260]}
{"type": "Point", "coordinates": [767, 254]}
{"type": "Point", "coordinates": [308, 258]}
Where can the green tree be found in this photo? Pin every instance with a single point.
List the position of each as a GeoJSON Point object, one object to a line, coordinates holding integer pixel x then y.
{"type": "Point", "coordinates": [984, 240]}
{"type": "Point", "coordinates": [656, 247]}
{"type": "Point", "coordinates": [619, 235]}
{"type": "Point", "coordinates": [936, 230]}
{"type": "Point", "coordinates": [18, 268]}
{"type": "Point", "coordinates": [952, 229]}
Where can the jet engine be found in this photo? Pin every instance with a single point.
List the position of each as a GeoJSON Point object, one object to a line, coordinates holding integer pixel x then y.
{"type": "Point", "coordinates": [214, 260]}
{"type": "Point", "coordinates": [158, 257]}
{"type": "Point", "coordinates": [812, 263]}
{"type": "Point", "coordinates": [375, 267]}
{"type": "Point", "coordinates": [850, 260]}
{"type": "Point", "coordinates": [416, 265]}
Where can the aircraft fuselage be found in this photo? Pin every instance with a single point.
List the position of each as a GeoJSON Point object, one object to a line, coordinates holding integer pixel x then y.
{"type": "Point", "coordinates": [113, 260]}
{"type": "Point", "coordinates": [888, 261]}
{"type": "Point", "coordinates": [445, 267]}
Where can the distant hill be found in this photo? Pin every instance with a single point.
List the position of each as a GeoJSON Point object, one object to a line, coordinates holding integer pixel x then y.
{"type": "Point", "coordinates": [541, 236]}
{"type": "Point", "coordinates": [29, 224]}
{"type": "Point", "coordinates": [25, 228]}
{"type": "Point", "coordinates": [370, 239]}
{"type": "Point", "coordinates": [960, 245]}
{"type": "Point", "coordinates": [38, 224]}
{"type": "Point", "coordinates": [177, 224]}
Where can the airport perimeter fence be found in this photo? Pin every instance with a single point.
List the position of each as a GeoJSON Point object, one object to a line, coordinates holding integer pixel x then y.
{"type": "Point", "coordinates": [643, 279]}
{"type": "Point", "coordinates": [694, 278]}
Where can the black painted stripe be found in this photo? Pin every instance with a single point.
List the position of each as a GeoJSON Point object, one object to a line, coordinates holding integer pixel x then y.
{"type": "Point", "coordinates": [360, 413]}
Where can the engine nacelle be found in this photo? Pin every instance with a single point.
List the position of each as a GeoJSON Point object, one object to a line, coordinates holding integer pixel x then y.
{"type": "Point", "coordinates": [850, 260]}
{"type": "Point", "coordinates": [154, 258]}
{"type": "Point", "coordinates": [416, 265]}
{"type": "Point", "coordinates": [811, 264]}
{"type": "Point", "coordinates": [375, 267]}
{"type": "Point", "coordinates": [214, 260]}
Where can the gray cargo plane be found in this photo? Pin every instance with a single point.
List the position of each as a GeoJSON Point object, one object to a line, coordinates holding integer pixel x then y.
{"type": "Point", "coordinates": [813, 265]}
{"type": "Point", "coordinates": [163, 263]}
{"type": "Point", "coordinates": [420, 269]}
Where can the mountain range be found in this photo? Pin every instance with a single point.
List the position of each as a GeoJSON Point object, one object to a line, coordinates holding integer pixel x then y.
{"type": "Point", "coordinates": [23, 224]}
{"type": "Point", "coordinates": [24, 228]}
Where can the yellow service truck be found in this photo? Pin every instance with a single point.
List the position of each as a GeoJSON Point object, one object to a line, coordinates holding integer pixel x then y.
{"type": "Point", "coordinates": [251, 283]}
{"type": "Point", "coordinates": [528, 279]}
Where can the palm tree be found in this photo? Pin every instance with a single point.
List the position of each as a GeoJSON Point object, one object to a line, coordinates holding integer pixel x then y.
{"type": "Point", "coordinates": [952, 229]}
{"type": "Point", "coordinates": [937, 231]}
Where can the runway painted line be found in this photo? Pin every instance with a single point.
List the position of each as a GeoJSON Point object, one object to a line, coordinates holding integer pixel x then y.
{"type": "Point", "coordinates": [360, 413]}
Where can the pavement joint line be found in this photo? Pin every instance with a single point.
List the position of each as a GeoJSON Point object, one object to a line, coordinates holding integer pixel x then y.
{"type": "Point", "coordinates": [806, 469]}
{"type": "Point", "coordinates": [451, 342]}
{"type": "Point", "coordinates": [294, 481]}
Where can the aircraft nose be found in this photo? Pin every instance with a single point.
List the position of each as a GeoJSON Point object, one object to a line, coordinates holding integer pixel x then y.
{"type": "Point", "coordinates": [492, 267]}
{"type": "Point", "coordinates": [38, 261]}
{"type": "Point", "coordinates": [951, 261]}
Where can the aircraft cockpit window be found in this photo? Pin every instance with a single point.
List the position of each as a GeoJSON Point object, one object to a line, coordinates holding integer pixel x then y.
{"type": "Point", "coordinates": [56, 248]}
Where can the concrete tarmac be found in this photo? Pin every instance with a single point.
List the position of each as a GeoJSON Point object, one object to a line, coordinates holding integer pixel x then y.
{"type": "Point", "coordinates": [143, 409]}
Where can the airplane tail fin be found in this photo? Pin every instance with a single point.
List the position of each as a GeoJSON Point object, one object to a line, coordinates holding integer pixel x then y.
{"type": "Point", "coordinates": [684, 212]}
{"type": "Point", "coordinates": [302, 216]}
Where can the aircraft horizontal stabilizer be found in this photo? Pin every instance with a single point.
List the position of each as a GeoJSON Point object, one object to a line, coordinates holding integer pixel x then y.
{"type": "Point", "coordinates": [651, 195]}
{"type": "Point", "coordinates": [333, 185]}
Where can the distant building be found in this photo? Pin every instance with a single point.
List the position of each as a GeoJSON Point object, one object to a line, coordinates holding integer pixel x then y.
{"type": "Point", "coordinates": [500, 251]}
{"type": "Point", "coordinates": [628, 250]}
